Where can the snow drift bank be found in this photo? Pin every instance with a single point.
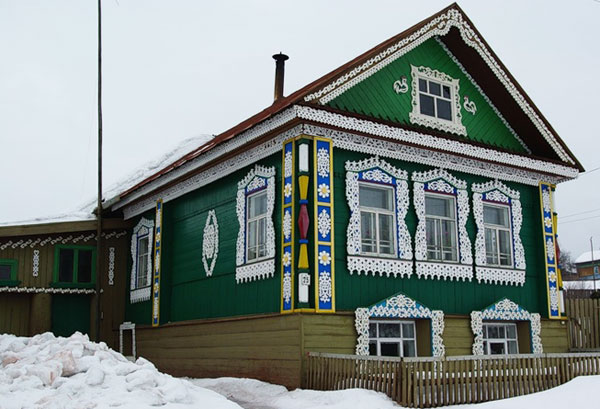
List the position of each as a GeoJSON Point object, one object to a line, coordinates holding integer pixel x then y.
{"type": "Point", "coordinates": [49, 372]}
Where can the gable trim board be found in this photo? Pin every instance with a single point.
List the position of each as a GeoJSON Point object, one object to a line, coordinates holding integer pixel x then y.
{"type": "Point", "coordinates": [440, 25]}
{"type": "Point", "coordinates": [347, 122]}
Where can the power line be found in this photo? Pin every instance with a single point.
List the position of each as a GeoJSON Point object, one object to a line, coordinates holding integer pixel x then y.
{"type": "Point", "coordinates": [578, 220]}
{"type": "Point", "coordinates": [590, 171]}
{"type": "Point", "coordinates": [578, 213]}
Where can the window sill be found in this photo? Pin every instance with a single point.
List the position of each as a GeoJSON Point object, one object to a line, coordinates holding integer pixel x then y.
{"type": "Point", "coordinates": [379, 266]}
{"type": "Point", "coordinates": [9, 283]}
{"type": "Point", "coordinates": [255, 271]}
{"type": "Point", "coordinates": [500, 275]}
{"type": "Point", "coordinates": [139, 294]}
{"type": "Point", "coordinates": [72, 285]}
{"type": "Point", "coordinates": [441, 270]}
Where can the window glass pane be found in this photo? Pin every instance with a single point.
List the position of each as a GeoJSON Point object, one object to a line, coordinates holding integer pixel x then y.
{"type": "Point", "coordinates": [373, 348]}
{"type": "Point", "coordinates": [386, 229]}
{"type": "Point", "coordinates": [446, 91]}
{"type": "Point", "coordinates": [497, 348]}
{"type": "Point", "coordinates": [501, 331]}
{"type": "Point", "coordinates": [444, 109]}
{"type": "Point", "coordinates": [408, 348]}
{"type": "Point", "coordinates": [434, 88]}
{"type": "Point", "coordinates": [375, 197]}
{"type": "Point", "coordinates": [372, 330]}
{"type": "Point", "coordinates": [493, 332]}
{"type": "Point", "coordinates": [511, 331]}
{"type": "Point", "coordinates": [65, 265]}
{"type": "Point", "coordinates": [390, 349]}
{"type": "Point", "coordinates": [438, 206]}
{"type": "Point", "coordinates": [491, 249]}
{"type": "Point", "coordinates": [432, 237]}
{"type": "Point", "coordinates": [257, 205]}
{"type": "Point", "coordinates": [367, 232]}
{"type": "Point", "coordinates": [512, 347]}
{"type": "Point", "coordinates": [408, 330]}
{"type": "Point", "coordinates": [389, 330]}
{"type": "Point", "coordinates": [5, 271]}
{"type": "Point", "coordinates": [495, 215]}
{"type": "Point", "coordinates": [426, 105]}
{"type": "Point", "coordinates": [422, 85]}
{"type": "Point", "coordinates": [505, 251]}
{"type": "Point", "coordinates": [84, 266]}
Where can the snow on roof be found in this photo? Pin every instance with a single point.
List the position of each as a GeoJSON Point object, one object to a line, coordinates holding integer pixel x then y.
{"type": "Point", "coordinates": [581, 284]}
{"type": "Point", "coordinates": [84, 212]}
{"type": "Point", "coordinates": [587, 257]}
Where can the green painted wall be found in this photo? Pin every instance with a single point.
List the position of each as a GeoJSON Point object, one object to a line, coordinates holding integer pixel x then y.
{"type": "Point", "coordinates": [376, 97]}
{"type": "Point", "coordinates": [452, 297]}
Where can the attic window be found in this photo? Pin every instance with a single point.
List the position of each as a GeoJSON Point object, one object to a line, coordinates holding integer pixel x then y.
{"type": "Point", "coordinates": [435, 100]}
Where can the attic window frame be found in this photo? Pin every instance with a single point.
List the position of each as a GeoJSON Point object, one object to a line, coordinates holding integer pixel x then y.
{"type": "Point", "coordinates": [416, 117]}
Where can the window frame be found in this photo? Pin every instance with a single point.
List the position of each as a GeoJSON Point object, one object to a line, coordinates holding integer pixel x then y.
{"type": "Point", "coordinates": [496, 229]}
{"type": "Point", "coordinates": [74, 283]}
{"type": "Point", "coordinates": [144, 228]}
{"type": "Point", "coordinates": [14, 269]}
{"type": "Point", "coordinates": [505, 340]}
{"type": "Point", "coordinates": [453, 125]}
{"type": "Point", "coordinates": [454, 208]}
{"type": "Point", "coordinates": [378, 211]}
{"type": "Point", "coordinates": [264, 216]}
{"type": "Point", "coordinates": [138, 265]}
{"type": "Point", "coordinates": [400, 340]}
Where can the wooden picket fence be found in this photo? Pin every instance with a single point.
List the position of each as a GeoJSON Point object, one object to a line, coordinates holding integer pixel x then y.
{"type": "Point", "coordinates": [583, 324]}
{"type": "Point", "coordinates": [431, 382]}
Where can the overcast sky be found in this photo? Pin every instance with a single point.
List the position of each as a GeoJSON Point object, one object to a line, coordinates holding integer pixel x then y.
{"type": "Point", "coordinates": [177, 69]}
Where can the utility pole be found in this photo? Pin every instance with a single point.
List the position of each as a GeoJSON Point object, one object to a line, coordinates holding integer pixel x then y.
{"type": "Point", "coordinates": [99, 205]}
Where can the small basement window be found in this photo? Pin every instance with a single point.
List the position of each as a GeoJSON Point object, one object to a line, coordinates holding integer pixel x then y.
{"type": "Point", "coordinates": [500, 339]}
{"type": "Point", "coordinates": [75, 266]}
{"type": "Point", "coordinates": [392, 338]}
{"type": "Point", "coordinates": [8, 272]}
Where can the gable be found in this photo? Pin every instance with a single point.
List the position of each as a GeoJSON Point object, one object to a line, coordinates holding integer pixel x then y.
{"type": "Point", "coordinates": [389, 93]}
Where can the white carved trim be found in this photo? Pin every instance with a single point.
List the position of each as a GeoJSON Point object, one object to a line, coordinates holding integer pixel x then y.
{"type": "Point", "coordinates": [377, 170]}
{"type": "Point", "coordinates": [143, 228]}
{"type": "Point", "coordinates": [469, 105]}
{"type": "Point", "coordinates": [401, 86]}
{"type": "Point", "coordinates": [437, 27]}
{"type": "Point", "coordinates": [51, 240]}
{"type": "Point", "coordinates": [416, 117]}
{"type": "Point", "coordinates": [255, 271]}
{"type": "Point", "coordinates": [45, 290]}
{"type": "Point", "coordinates": [439, 180]}
{"type": "Point", "coordinates": [505, 310]}
{"type": "Point", "coordinates": [498, 192]}
{"type": "Point", "coordinates": [398, 306]}
{"type": "Point", "coordinates": [210, 243]}
{"type": "Point", "coordinates": [111, 266]}
{"type": "Point", "coordinates": [380, 266]}
{"type": "Point", "coordinates": [256, 178]}
{"type": "Point", "coordinates": [36, 262]}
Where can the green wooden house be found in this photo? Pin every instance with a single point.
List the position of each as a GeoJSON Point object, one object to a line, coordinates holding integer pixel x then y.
{"type": "Point", "coordinates": [400, 205]}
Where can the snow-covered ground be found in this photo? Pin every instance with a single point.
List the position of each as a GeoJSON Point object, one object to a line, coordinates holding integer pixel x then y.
{"type": "Point", "coordinates": [54, 372]}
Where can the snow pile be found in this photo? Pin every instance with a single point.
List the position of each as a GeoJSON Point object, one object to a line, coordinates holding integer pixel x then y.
{"type": "Point", "coordinates": [253, 394]}
{"type": "Point", "coordinates": [49, 372]}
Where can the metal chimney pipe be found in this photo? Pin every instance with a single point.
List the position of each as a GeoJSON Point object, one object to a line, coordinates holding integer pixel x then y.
{"type": "Point", "coordinates": [279, 74]}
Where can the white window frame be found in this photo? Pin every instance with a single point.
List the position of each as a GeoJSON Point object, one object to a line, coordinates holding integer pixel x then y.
{"type": "Point", "coordinates": [144, 228]}
{"type": "Point", "coordinates": [399, 340]}
{"type": "Point", "coordinates": [416, 117]}
{"type": "Point", "coordinates": [141, 252]}
{"type": "Point", "coordinates": [440, 218]}
{"type": "Point", "coordinates": [257, 180]}
{"type": "Point", "coordinates": [257, 219]}
{"type": "Point", "coordinates": [496, 228]}
{"type": "Point", "coordinates": [377, 212]}
{"type": "Point", "coordinates": [505, 340]}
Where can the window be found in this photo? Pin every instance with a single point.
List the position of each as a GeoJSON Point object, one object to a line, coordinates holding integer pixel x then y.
{"type": "Point", "coordinates": [377, 219]}
{"type": "Point", "coordinates": [498, 246]}
{"type": "Point", "coordinates": [256, 241]}
{"type": "Point", "coordinates": [435, 99]}
{"type": "Point", "coordinates": [440, 227]}
{"type": "Point", "coordinates": [75, 265]}
{"type": "Point", "coordinates": [142, 241]}
{"type": "Point", "coordinates": [143, 253]}
{"type": "Point", "coordinates": [8, 272]}
{"type": "Point", "coordinates": [500, 339]}
{"type": "Point", "coordinates": [392, 338]}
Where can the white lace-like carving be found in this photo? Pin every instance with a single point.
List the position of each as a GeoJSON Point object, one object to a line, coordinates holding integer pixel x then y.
{"type": "Point", "coordinates": [58, 239]}
{"type": "Point", "coordinates": [210, 243]}
{"type": "Point", "coordinates": [377, 170]}
{"type": "Point", "coordinates": [244, 272]}
{"type": "Point", "coordinates": [47, 290]}
{"type": "Point", "coordinates": [287, 166]}
{"type": "Point", "coordinates": [440, 180]}
{"type": "Point", "coordinates": [550, 249]}
{"type": "Point", "coordinates": [416, 117]}
{"type": "Point", "coordinates": [398, 306]}
{"type": "Point", "coordinates": [324, 224]}
{"type": "Point", "coordinates": [401, 86]}
{"type": "Point", "coordinates": [255, 271]}
{"type": "Point", "coordinates": [36, 262]}
{"type": "Point", "coordinates": [323, 162]}
{"type": "Point", "coordinates": [469, 105]}
{"type": "Point", "coordinates": [498, 192]}
{"type": "Point", "coordinates": [287, 223]}
{"type": "Point", "coordinates": [111, 266]}
{"type": "Point", "coordinates": [438, 27]}
{"type": "Point", "coordinates": [287, 287]}
{"type": "Point", "coordinates": [379, 266]}
{"type": "Point", "coordinates": [144, 227]}
{"type": "Point", "coordinates": [324, 287]}
{"type": "Point", "coordinates": [505, 310]}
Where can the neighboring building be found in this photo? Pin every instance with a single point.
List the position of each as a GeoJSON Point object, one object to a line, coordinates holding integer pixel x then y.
{"type": "Point", "coordinates": [588, 265]}
{"type": "Point", "coordinates": [399, 205]}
